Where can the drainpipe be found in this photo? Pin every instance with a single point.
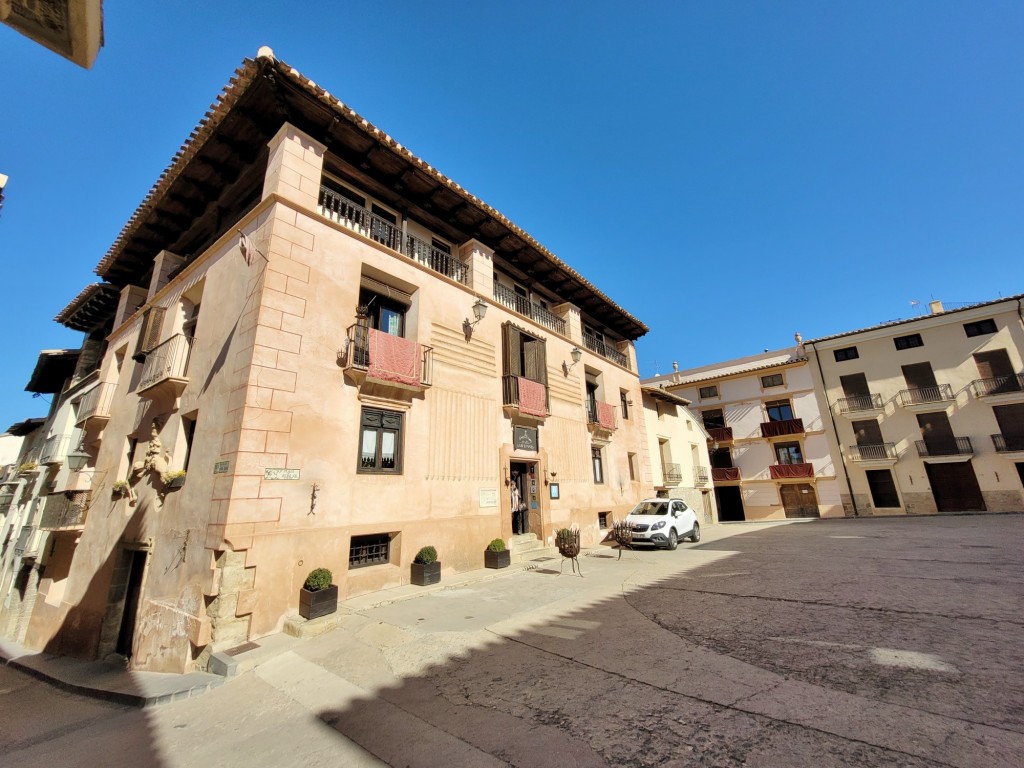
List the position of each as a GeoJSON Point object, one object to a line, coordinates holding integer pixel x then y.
{"type": "Point", "coordinates": [832, 418]}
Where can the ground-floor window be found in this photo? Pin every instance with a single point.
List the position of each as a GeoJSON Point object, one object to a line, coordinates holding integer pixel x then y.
{"type": "Point", "coordinates": [374, 549]}
{"type": "Point", "coordinates": [380, 441]}
{"type": "Point", "coordinates": [602, 520]}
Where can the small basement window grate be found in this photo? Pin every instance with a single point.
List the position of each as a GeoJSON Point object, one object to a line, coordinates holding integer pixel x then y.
{"type": "Point", "coordinates": [602, 520]}
{"type": "Point", "coordinates": [369, 550]}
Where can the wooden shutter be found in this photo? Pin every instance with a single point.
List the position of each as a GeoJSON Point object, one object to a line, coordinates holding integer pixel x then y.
{"type": "Point", "coordinates": [149, 334]}
{"type": "Point", "coordinates": [534, 364]}
{"type": "Point", "coordinates": [510, 340]}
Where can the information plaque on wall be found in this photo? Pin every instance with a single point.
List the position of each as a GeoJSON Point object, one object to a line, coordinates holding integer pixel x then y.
{"type": "Point", "coordinates": [525, 438]}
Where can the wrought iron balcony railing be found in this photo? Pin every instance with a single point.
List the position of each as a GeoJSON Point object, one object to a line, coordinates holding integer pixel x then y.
{"type": "Point", "coordinates": [601, 415]}
{"type": "Point", "coordinates": [859, 403]}
{"type": "Point", "coordinates": [95, 404]}
{"type": "Point", "coordinates": [925, 395]}
{"type": "Point", "coordinates": [65, 510]}
{"type": "Point", "coordinates": [672, 473]}
{"type": "Point", "coordinates": [55, 449]}
{"type": "Point", "coordinates": [700, 475]}
{"type": "Point", "coordinates": [953, 446]}
{"type": "Point", "coordinates": [521, 304]}
{"type": "Point", "coordinates": [165, 362]}
{"type": "Point", "coordinates": [999, 385]}
{"type": "Point", "coordinates": [532, 402]}
{"type": "Point", "coordinates": [1005, 443]}
{"type": "Point", "coordinates": [357, 354]}
{"type": "Point", "coordinates": [603, 348]}
{"type": "Point", "coordinates": [879, 452]}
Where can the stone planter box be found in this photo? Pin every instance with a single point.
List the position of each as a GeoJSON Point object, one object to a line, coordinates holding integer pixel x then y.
{"type": "Point", "coordinates": [497, 559]}
{"type": "Point", "coordinates": [313, 605]}
{"type": "Point", "coordinates": [424, 574]}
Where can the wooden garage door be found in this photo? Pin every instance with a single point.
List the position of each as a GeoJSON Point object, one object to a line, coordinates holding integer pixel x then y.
{"type": "Point", "coordinates": [798, 500]}
{"type": "Point", "coordinates": [955, 487]}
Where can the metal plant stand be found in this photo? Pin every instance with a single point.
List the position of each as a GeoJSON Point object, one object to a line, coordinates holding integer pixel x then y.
{"type": "Point", "coordinates": [622, 534]}
{"type": "Point", "coordinates": [568, 543]}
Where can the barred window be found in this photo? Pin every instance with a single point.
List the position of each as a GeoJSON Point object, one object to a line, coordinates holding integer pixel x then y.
{"type": "Point", "coordinates": [374, 549]}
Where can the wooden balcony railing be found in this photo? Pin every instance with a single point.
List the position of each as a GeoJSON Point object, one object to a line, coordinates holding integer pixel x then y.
{"type": "Point", "coordinates": [953, 446]}
{"type": "Point", "coordinates": [65, 510]}
{"type": "Point", "coordinates": [521, 304]}
{"type": "Point", "coordinates": [859, 403]}
{"type": "Point", "coordinates": [1005, 443]}
{"type": "Point", "coordinates": [603, 348]}
{"type": "Point", "coordinates": [878, 452]}
{"type": "Point", "coordinates": [700, 475]}
{"type": "Point", "coordinates": [782, 428]}
{"type": "Point", "coordinates": [672, 473]}
{"type": "Point", "coordinates": [925, 395]}
{"type": "Point", "coordinates": [725, 474]}
{"type": "Point", "coordinates": [999, 385]}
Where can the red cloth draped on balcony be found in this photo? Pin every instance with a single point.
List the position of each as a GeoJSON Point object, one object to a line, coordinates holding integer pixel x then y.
{"type": "Point", "coordinates": [605, 416]}
{"type": "Point", "coordinates": [788, 471]}
{"type": "Point", "coordinates": [394, 359]}
{"type": "Point", "coordinates": [532, 397]}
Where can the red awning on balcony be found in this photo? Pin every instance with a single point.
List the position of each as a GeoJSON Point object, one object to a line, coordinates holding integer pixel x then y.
{"type": "Point", "coordinates": [790, 471]}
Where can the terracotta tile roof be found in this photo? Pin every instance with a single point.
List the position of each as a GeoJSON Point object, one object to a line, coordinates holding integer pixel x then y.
{"type": "Point", "coordinates": [90, 308]}
{"type": "Point", "coordinates": [243, 78]}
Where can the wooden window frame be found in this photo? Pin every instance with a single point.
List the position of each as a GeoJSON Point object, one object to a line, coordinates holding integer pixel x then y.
{"type": "Point", "coordinates": [845, 353]}
{"type": "Point", "coordinates": [381, 429]}
{"type": "Point", "coordinates": [910, 341]}
{"type": "Point", "coordinates": [772, 377]}
{"type": "Point", "coordinates": [708, 392]}
{"type": "Point", "coordinates": [984, 327]}
{"type": "Point", "coordinates": [597, 465]}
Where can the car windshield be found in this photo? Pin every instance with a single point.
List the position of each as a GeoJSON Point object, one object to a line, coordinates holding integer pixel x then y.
{"type": "Point", "coordinates": [650, 508]}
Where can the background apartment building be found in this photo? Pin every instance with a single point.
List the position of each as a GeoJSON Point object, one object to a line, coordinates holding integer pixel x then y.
{"type": "Point", "coordinates": [385, 362]}
{"type": "Point", "coordinates": [769, 452]}
{"type": "Point", "coordinates": [928, 413]}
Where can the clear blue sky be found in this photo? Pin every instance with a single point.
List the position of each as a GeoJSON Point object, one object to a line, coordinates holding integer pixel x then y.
{"type": "Point", "coordinates": [729, 172]}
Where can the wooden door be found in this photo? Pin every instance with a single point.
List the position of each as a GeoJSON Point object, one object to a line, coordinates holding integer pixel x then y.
{"type": "Point", "coordinates": [799, 500]}
{"type": "Point", "coordinates": [955, 487]}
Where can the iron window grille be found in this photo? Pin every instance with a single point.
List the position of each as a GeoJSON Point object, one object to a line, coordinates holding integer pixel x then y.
{"type": "Point", "coordinates": [365, 551]}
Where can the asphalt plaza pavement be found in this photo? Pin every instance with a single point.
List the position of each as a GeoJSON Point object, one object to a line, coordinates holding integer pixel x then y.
{"type": "Point", "coordinates": [886, 641]}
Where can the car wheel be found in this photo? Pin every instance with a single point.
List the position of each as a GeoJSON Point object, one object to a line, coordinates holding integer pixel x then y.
{"type": "Point", "coordinates": [673, 540]}
{"type": "Point", "coordinates": [695, 533]}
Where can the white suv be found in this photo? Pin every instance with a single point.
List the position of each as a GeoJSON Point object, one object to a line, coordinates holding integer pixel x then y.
{"type": "Point", "coordinates": [663, 522]}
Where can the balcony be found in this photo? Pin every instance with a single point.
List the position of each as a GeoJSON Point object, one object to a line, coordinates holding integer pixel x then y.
{"type": "Point", "coordinates": [372, 356]}
{"type": "Point", "coordinates": [700, 475]}
{"type": "Point", "coordinates": [882, 454]}
{"type": "Point", "coordinates": [604, 349]}
{"type": "Point", "coordinates": [524, 397]}
{"type": "Point", "coordinates": [164, 369]}
{"type": "Point", "coordinates": [368, 224]}
{"type": "Point", "coordinates": [94, 408]}
{"type": "Point", "coordinates": [859, 405]}
{"type": "Point", "coordinates": [55, 449]}
{"type": "Point", "coordinates": [720, 434]}
{"type": "Point", "coordinates": [63, 511]}
{"type": "Point", "coordinates": [782, 428]}
{"type": "Point", "coordinates": [1010, 446]}
{"type": "Point", "coordinates": [1010, 387]}
{"type": "Point", "coordinates": [521, 304]}
{"type": "Point", "coordinates": [925, 398]}
{"type": "Point", "coordinates": [947, 449]}
{"type": "Point", "coordinates": [600, 418]}
{"type": "Point", "coordinates": [672, 473]}
{"type": "Point", "coordinates": [790, 471]}
{"type": "Point", "coordinates": [725, 474]}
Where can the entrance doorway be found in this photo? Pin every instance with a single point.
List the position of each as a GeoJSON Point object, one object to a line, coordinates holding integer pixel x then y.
{"type": "Point", "coordinates": [730, 503]}
{"type": "Point", "coordinates": [955, 487]}
{"type": "Point", "coordinates": [133, 593]}
{"type": "Point", "coordinates": [799, 500]}
{"type": "Point", "coordinates": [524, 496]}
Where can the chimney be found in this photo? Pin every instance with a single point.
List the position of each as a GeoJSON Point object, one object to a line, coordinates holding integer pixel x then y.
{"type": "Point", "coordinates": [935, 307]}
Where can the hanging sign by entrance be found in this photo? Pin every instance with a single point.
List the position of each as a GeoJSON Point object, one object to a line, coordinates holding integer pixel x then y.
{"type": "Point", "coordinates": [525, 438]}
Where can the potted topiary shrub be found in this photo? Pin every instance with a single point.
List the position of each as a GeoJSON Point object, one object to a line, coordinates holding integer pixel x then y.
{"type": "Point", "coordinates": [426, 568]}
{"type": "Point", "coordinates": [496, 555]}
{"type": "Point", "coordinates": [318, 597]}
